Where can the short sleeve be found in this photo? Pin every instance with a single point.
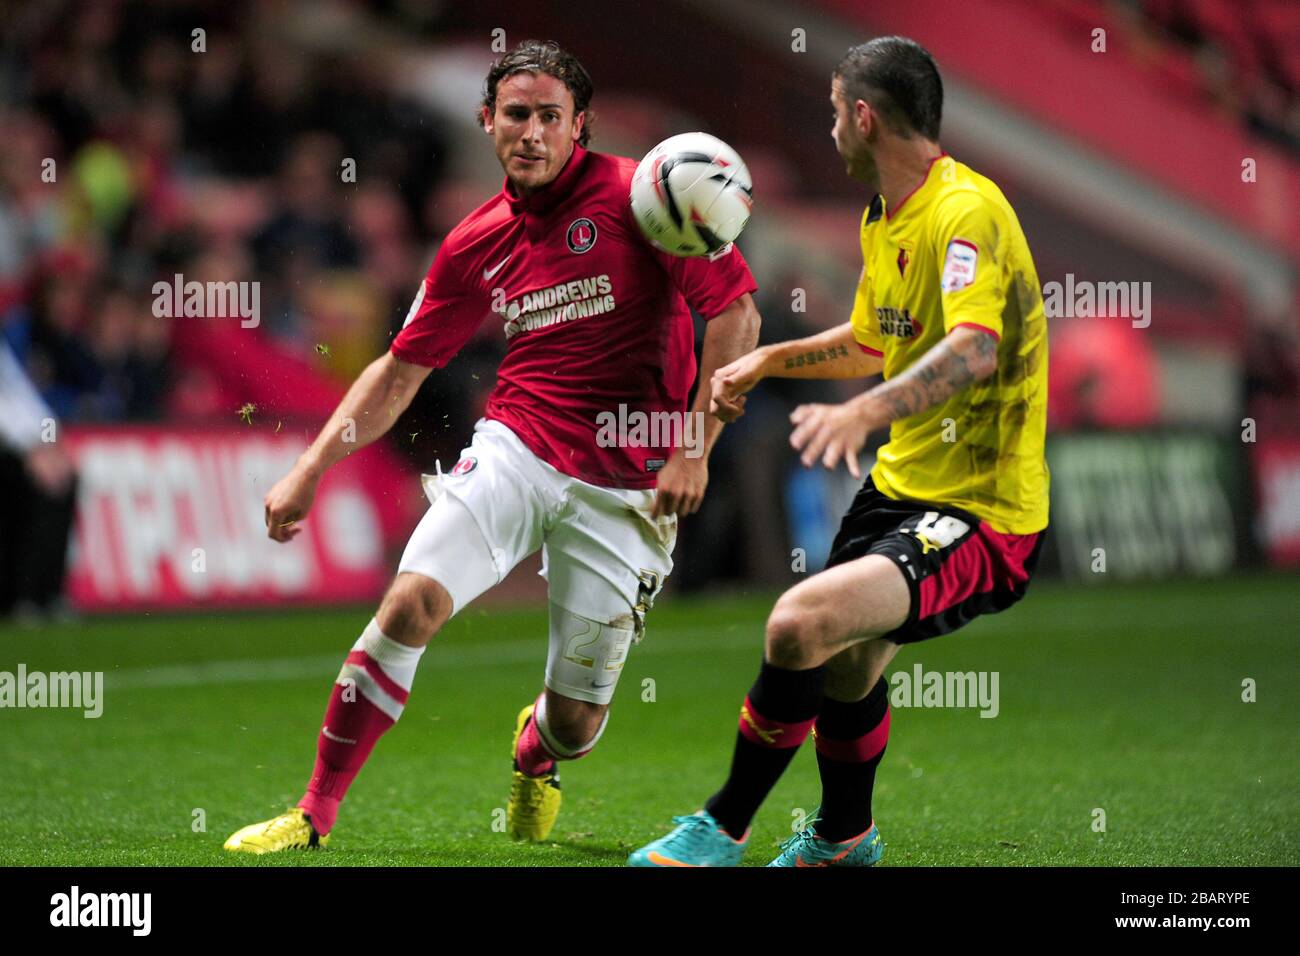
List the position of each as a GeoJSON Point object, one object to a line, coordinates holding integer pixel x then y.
{"type": "Point", "coordinates": [442, 318]}
{"type": "Point", "coordinates": [970, 248]}
{"type": "Point", "coordinates": [866, 329]}
{"type": "Point", "coordinates": [710, 283]}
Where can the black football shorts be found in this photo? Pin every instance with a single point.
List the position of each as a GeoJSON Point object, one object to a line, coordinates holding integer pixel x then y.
{"type": "Point", "coordinates": [955, 565]}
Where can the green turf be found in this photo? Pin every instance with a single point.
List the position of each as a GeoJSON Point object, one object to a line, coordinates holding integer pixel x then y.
{"type": "Point", "coordinates": [1126, 699]}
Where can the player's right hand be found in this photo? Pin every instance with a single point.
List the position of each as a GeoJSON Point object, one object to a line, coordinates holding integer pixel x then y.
{"type": "Point", "coordinates": [731, 382]}
{"type": "Point", "coordinates": [288, 503]}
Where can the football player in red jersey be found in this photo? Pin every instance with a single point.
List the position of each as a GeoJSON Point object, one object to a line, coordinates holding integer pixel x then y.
{"type": "Point", "coordinates": [598, 327]}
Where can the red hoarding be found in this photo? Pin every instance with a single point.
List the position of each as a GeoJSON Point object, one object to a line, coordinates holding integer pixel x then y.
{"type": "Point", "coordinates": [173, 518]}
{"type": "Point", "coordinates": [1277, 489]}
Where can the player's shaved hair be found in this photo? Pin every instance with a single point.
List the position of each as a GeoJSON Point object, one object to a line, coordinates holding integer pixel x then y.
{"type": "Point", "coordinates": [899, 78]}
{"type": "Point", "coordinates": [534, 56]}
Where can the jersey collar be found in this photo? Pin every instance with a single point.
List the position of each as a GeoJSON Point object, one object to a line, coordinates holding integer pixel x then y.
{"type": "Point", "coordinates": [550, 195]}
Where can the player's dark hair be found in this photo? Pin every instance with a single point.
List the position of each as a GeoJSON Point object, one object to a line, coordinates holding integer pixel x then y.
{"type": "Point", "coordinates": [534, 56]}
{"type": "Point", "coordinates": [899, 78]}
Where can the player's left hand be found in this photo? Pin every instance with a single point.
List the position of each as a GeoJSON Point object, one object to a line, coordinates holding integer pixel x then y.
{"type": "Point", "coordinates": [830, 432]}
{"type": "Point", "coordinates": [681, 485]}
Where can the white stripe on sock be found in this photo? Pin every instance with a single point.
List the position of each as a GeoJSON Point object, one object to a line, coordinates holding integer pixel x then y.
{"type": "Point", "coordinates": [370, 690]}
{"type": "Point", "coordinates": [396, 660]}
{"type": "Point", "coordinates": [556, 748]}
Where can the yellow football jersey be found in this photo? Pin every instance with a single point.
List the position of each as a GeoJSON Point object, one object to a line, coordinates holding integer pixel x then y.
{"type": "Point", "coordinates": [952, 254]}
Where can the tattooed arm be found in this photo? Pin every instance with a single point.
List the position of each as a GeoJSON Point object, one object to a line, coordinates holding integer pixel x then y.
{"type": "Point", "coordinates": [963, 356]}
{"type": "Point", "coordinates": [830, 354]}
{"type": "Point", "coordinates": [834, 353]}
{"type": "Point", "coordinates": [831, 432]}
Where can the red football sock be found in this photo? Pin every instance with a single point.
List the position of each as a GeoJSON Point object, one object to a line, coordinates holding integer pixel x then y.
{"type": "Point", "coordinates": [538, 749]}
{"type": "Point", "coordinates": [369, 695]}
{"type": "Point", "coordinates": [531, 754]}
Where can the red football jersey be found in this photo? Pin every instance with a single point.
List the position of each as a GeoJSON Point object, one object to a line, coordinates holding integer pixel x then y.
{"type": "Point", "coordinates": [594, 316]}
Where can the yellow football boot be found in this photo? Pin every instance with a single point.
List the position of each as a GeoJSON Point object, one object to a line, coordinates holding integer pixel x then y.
{"type": "Point", "coordinates": [534, 801]}
{"type": "Point", "coordinates": [289, 831]}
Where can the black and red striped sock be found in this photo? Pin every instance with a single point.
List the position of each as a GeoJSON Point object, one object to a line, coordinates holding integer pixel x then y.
{"type": "Point", "coordinates": [774, 720]}
{"type": "Point", "coordinates": [850, 741]}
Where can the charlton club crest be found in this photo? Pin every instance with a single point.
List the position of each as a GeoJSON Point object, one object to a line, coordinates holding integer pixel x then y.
{"type": "Point", "coordinates": [581, 235]}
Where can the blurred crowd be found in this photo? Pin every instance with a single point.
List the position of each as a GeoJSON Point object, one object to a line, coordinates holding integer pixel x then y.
{"type": "Point", "coordinates": [135, 151]}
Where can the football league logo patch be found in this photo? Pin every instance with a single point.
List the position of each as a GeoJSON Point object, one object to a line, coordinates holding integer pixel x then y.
{"type": "Point", "coordinates": [581, 235]}
{"type": "Point", "coordinates": [959, 265]}
{"type": "Point", "coordinates": [465, 466]}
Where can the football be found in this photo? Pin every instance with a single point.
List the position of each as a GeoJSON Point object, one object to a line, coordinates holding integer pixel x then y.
{"type": "Point", "coordinates": [691, 195]}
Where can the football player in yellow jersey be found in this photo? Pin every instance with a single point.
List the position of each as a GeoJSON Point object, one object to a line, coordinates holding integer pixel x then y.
{"type": "Point", "coordinates": [950, 521]}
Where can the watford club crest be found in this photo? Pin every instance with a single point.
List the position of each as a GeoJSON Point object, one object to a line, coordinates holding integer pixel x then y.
{"type": "Point", "coordinates": [904, 258]}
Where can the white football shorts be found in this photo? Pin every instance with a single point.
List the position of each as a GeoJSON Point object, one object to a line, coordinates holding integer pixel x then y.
{"type": "Point", "coordinates": [604, 557]}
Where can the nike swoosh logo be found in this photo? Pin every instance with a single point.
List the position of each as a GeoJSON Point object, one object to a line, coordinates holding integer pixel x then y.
{"type": "Point", "coordinates": [660, 860]}
{"type": "Point", "coordinates": [798, 860]}
{"type": "Point", "coordinates": [335, 737]}
{"type": "Point", "coordinates": [489, 273]}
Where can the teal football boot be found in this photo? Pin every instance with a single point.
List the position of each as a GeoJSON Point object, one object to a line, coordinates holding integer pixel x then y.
{"type": "Point", "coordinates": [806, 848]}
{"type": "Point", "coordinates": [699, 840]}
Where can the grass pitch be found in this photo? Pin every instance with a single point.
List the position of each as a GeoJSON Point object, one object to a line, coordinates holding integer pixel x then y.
{"type": "Point", "coordinates": [1125, 700]}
